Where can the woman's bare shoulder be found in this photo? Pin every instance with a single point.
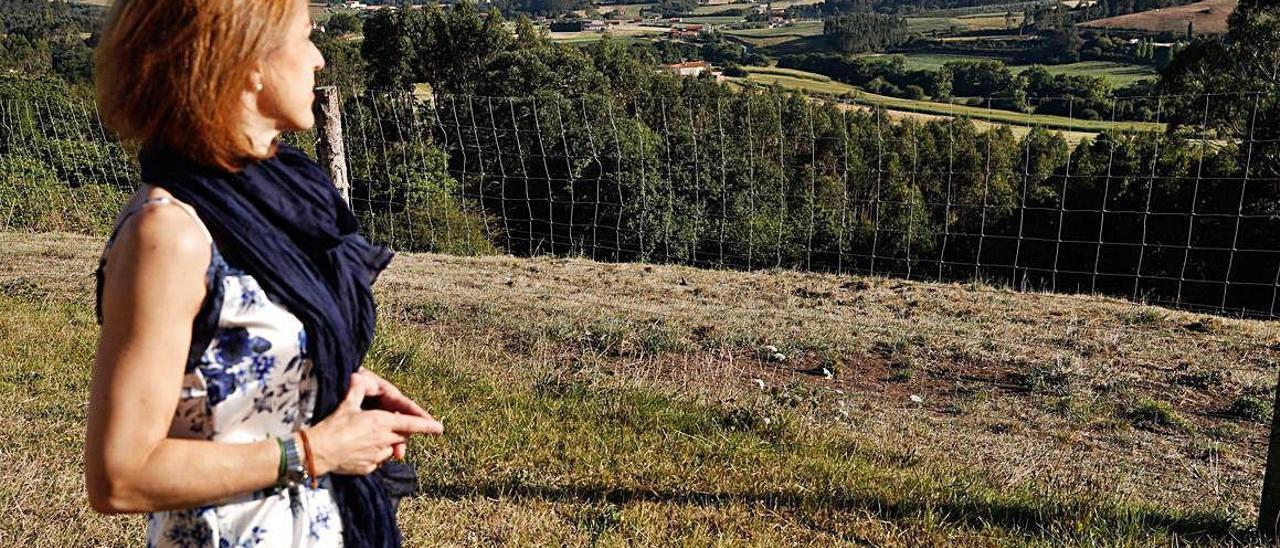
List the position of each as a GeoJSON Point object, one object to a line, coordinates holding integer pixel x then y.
{"type": "Point", "coordinates": [161, 232]}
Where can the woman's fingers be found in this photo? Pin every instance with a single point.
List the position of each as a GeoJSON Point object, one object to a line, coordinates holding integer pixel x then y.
{"type": "Point", "coordinates": [355, 395]}
{"type": "Point", "coordinates": [392, 400]}
{"type": "Point", "coordinates": [398, 451]}
{"type": "Point", "coordinates": [412, 424]}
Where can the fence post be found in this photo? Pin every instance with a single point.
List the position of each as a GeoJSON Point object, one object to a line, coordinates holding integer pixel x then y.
{"type": "Point", "coordinates": [1269, 509]}
{"type": "Point", "coordinates": [330, 150]}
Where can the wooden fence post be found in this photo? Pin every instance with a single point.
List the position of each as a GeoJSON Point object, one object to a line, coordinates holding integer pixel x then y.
{"type": "Point", "coordinates": [330, 149]}
{"type": "Point", "coordinates": [1269, 510]}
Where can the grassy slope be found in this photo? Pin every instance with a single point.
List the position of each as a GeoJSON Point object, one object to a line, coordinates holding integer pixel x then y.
{"type": "Point", "coordinates": [800, 29]}
{"type": "Point", "coordinates": [615, 403]}
{"type": "Point", "coordinates": [1209, 16]}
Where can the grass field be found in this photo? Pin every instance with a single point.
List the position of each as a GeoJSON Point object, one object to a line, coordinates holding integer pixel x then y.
{"type": "Point", "coordinates": [621, 404]}
{"type": "Point", "coordinates": [708, 9]}
{"type": "Point", "coordinates": [813, 83]}
{"type": "Point", "coordinates": [792, 73]}
{"type": "Point", "coordinates": [1209, 17]}
{"type": "Point", "coordinates": [981, 21]}
{"type": "Point", "coordinates": [800, 29]}
{"type": "Point", "coordinates": [1118, 74]}
{"type": "Point", "coordinates": [622, 32]}
{"type": "Point", "coordinates": [800, 37]}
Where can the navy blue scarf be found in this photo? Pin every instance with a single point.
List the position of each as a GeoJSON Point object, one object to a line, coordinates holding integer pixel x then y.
{"type": "Point", "coordinates": [282, 221]}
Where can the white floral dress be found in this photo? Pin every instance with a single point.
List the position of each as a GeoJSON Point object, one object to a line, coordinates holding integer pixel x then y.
{"type": "Point", "coordinates": [248, 378]}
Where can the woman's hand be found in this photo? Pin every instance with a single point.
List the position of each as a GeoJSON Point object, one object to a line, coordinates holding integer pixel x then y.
{"type": "Point", "coordinates": [354, 441]}
{"type": "Point", "coordinates": [389, 398]}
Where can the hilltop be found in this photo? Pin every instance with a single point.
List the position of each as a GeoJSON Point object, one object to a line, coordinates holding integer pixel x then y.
{"type": "Point", "coordinates": [1208, 17]}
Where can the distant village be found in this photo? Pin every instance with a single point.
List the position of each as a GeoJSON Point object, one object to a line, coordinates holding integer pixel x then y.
{"type": "Point", "coordinates": [676, 29]}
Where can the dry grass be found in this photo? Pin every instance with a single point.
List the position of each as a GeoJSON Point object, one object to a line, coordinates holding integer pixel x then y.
{"type": "Point", "coordinates": [1209, 16]}
{"type": "Point", "coordinates": [618, 403]}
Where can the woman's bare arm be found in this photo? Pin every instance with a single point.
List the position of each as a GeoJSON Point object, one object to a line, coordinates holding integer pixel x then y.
{"type": "Point", "coordinates": [153, 286]}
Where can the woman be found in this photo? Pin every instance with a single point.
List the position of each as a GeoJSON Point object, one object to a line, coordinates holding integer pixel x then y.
{"type": "Point", "coordinates": [228, 399]}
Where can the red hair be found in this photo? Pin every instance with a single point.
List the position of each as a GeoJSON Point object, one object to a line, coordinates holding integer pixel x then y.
{"type": "Point", "coordinates": [170, 73]}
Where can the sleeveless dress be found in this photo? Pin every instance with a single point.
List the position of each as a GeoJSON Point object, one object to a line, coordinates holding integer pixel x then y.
{"type": "Point", "coordinates": [247, 378]}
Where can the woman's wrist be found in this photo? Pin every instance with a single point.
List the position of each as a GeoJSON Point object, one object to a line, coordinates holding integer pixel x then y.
{"type": "Point", "coordinates": [309, 458]}
{"type": "Point", "coordinates": [291, 471]}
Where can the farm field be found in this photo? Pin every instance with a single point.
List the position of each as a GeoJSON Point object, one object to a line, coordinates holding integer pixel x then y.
{"type": "Point", "coordinates": [802, 36]}
{"type": "Point", "coordinates": [711, 8]}
{"type": "Point", "coordinates": [982, 21]}
{"type": "Point", "coordinates": [1118, 74]}
{"type": "Point", "coordinates": [814, 83]}
{"type": "Point", "coordinates": [800, 29]}
{"type": "Point", "coordinates": [1208, 16]}
{"type": "Point", "coordinates": [624, 32]}
{"type": "Point", "coordinates": [623, 404]}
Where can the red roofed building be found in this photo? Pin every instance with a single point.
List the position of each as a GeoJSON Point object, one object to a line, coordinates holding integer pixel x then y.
{"type": "Point", "coordinates": [689, 68]}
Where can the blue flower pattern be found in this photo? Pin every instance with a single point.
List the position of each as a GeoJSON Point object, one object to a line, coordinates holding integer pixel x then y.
{"type": "Point", "coordinates": [253, 381]}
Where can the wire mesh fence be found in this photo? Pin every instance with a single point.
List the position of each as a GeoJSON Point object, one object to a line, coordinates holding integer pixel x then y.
{"type": "Point", "coordinates": [772, 181]}
{"type": "Point", "coordinates": [1173, 212]}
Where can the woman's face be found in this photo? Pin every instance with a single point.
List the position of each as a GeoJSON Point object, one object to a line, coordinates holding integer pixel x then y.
{"type": "Point", "coordinates": [288, 75]}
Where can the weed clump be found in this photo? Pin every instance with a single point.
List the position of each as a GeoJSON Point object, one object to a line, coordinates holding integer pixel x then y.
{"type": "Point", "coordinates": [22, 288]}
{"type": "Point", "coordinates": [1157, 415]}
{"type": "Point", "coordinates": [1047, 378]}
{"type": "Point", "coordinates": [557, 386]}
{"type": "Point", "coordinates": [1251, 408]}
{"type": "Point", "coordinates": [1144, 315]}
{"type": "Point", "coordinates": [1203, 379]}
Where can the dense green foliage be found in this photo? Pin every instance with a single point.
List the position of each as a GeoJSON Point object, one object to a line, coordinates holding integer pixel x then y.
{"type": "Point", "coordinates": [863, 32]}
{"type": "Point", "coordinates": [44, 37]}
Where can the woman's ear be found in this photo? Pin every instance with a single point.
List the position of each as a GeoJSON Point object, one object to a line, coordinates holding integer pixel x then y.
{"type": "Point", "coordinates": [254, 82]}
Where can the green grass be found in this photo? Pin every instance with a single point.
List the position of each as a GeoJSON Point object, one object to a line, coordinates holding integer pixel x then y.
{"type": "Point", "coordinates": [625, 37]}
{"type": "Point", "coordinates": [807, 83]}
{"type": "Point", "coordinates": [1117, 74]}
{"type": "Point", "coordinates": [792, 73]}
{"type": "Point", "coordinates": [926, 25]}
{"type": "Point", "coordinates": [801, 29]}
